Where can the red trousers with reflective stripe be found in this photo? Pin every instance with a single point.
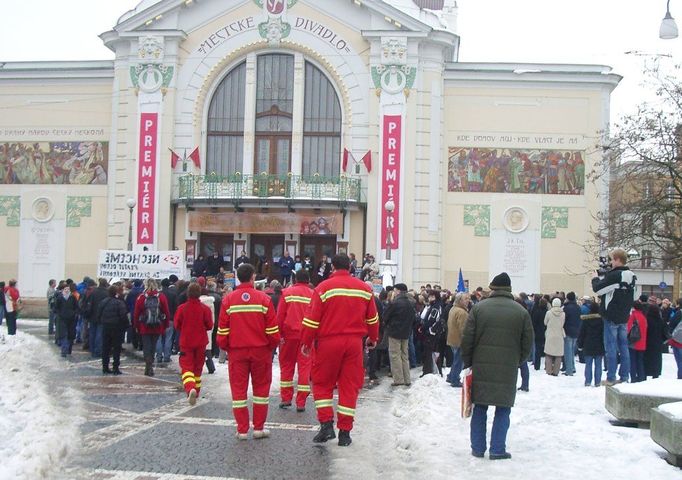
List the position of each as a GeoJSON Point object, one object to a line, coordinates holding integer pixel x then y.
{"type": "Point", "coordinates": [192, 361]}
{"type": "Point", "coordinates": [338, 361]}
{"type": "Point", "coordinates": [289, 357]}
{"type": "Point", "coordinates": [256, 363]}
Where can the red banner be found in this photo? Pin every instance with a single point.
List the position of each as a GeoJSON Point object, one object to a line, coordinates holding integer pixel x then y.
{"type": "Point", "coordinates": [390, 174]}
{"type": "Point", "coordinates": [146, 178]}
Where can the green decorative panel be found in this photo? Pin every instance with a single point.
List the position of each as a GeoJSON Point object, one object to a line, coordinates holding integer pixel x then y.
{"type": "Point", "coordinates": [478, 216]}
{"type": "Point", "coordinates": [553, 218]}
{"type": "Point", "coordinates": [76, 208]}
{"type": "Point", "coordinates": [10, 207]}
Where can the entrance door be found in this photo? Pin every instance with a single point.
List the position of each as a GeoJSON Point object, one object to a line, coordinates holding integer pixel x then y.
{"type": "Point", "coordinates": [265, 253]}
{"type": "Point", "coordinates": [318, 245]}
{"type": "Point", "coordinates": [223, 244]}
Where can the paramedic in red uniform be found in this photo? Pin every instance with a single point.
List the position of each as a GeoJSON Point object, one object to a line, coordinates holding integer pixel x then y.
{"type": "Point", "coordinates": [292, 306]}
{"type": "Point", "coordinates": [342, 311]}
{"type": "Point", "coordinates": [192, 320]}
{"type": "Point", "coordinates": [248, 331]}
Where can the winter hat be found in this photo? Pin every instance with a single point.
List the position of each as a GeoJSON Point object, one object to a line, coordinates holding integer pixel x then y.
{"type": "Point", "coordinates": [501, 282]}
{"type": "Point", "coordinates": [401, 287]}
{"type": "Point", "coordinates": [556, 303]}
{"type": "Point", "coordinates": [173, 278]}
{"type": "Point", "coordinates": [644, 298]}
{"type": "Point", "coordinates": [201, 281]}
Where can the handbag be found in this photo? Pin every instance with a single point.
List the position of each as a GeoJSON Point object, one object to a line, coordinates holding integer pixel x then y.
{"type": "Point", "coordinates": [635, 334]}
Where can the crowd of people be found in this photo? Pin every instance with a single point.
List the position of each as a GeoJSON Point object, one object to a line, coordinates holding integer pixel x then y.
{"type": "Point", "coordinates": [492, 331]}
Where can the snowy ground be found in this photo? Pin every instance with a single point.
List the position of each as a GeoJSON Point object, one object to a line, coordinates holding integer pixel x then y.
{"type": "Point", "coordinates": [38, 419]}
{"type": "Point", "coordinates": [560, 429]}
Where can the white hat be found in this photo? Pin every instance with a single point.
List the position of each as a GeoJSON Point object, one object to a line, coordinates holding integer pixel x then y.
{"type": "Point", "coordinates": [556, 302]}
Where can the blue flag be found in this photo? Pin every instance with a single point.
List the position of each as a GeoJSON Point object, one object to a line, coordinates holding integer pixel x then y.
{"type": "Point", "coordinates": [460, 282]}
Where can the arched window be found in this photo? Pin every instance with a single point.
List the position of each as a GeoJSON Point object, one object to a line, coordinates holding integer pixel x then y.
{"type": "Point", "coordinates": [274, 112]}
{"type": "Point", "coordinates": [225, 146]}
{"type": "Point", "coordinates": [321, 125]}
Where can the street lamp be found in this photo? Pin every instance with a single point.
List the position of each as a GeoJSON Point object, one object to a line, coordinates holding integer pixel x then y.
{"type": "Point", "coordinates": [390, 267]}
{"type": "Point", "coordinates": [131, 205]}
{"type": "Point", "coordinates": [668, 29]}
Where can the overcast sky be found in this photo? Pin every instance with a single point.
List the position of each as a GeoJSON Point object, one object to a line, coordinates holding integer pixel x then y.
{"type": "Point", "coordinates": [547, 31]}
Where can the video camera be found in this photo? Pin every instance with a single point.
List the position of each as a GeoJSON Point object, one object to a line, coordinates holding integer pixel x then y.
{"type": "Point", "coordinates": [604, 266]}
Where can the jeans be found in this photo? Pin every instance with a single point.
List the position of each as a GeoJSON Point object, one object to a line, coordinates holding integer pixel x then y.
{"type": "Point", "coordinates": [498, 436]}
{"type": "Point", "coordinates": [453, 376]}
{"type": "Point", "coordinates": [11, 323]}
{"type": "Point", "coordinates": [637, 373]}
{"type": "Point", "coordinates": [597, 370]}
{"type": "Point", "coordinates": [569, 354]}
{"type": "Point", "coordinates": [79, 328]}
{"type": "Point", "coordinates": [412, 353]}
{"type": "Point", "coordinates": [677, 353]}
{"type": "Point", "coordinates": [616, 341]}
{"type": "Point", "coordinates": [95, 339]}
{"type": "Point", "coordinates": [525, 376]}
{"type": "Point", "coordinates": [67, 331]}
{"type": "Point", "coordinates": [164, 344]}
{"type": "Point", "coordinates": [112, 338]}
{"type": "Point", "coordinates": [149, 345]}
{"type": "Point", "coordinates": [50, 322]}
{"type": "Point", "coordinates": [537, 354]}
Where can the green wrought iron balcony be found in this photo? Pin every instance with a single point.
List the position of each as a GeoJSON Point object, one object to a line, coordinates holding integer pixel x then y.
{"type": "Point", "coordinates": [290, 188]}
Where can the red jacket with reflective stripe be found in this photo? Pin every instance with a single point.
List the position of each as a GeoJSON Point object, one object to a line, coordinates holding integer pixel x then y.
{"type": "Point", "coordinates": [291, 308]}
{"type": "Point", "coordinates": [247, 319]}
{"type": "Point", "coordinates": [193, 319]}
{"type": "Point", "coordinates": [341, 305]}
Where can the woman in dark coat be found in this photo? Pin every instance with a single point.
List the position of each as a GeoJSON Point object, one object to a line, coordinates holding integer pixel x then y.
{"type": "Point", "coordinates": [591, 343]}
{"type": "Point", "coordinates": [655, 337]}
{"type": "Point", "coordinates": [67, 309]}
{"type": "Point", "coordinates": [537, 315]}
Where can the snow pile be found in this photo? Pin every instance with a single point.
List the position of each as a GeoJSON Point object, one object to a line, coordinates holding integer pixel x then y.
{"type": "Point", "coordinates": [657, 387]}
{"type": "Point", "coordinates": [674, 409]}
{"type": "Point", "coordinates": [39, 425]}
{"type": "Point", "coordinates": [560, 429]}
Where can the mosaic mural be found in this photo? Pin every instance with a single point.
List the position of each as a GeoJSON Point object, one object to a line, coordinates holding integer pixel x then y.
{"type": "Point", "coordinates": [54, 163]}
{"type": "Point", "coordinates": [509, 170]}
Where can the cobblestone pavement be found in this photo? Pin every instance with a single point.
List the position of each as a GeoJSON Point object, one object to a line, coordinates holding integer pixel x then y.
{"type": "Point", "coordinates": [142, 428]}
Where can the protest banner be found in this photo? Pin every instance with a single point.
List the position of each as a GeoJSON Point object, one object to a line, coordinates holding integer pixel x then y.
{"type": "Point", "coordinates": [140, 265]}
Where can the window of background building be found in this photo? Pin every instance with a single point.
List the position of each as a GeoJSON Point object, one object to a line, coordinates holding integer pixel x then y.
{"type": "Point", "coordinates": [646, 258]}
{"type": "Point", "coordinates": [225, 133]}
{"type": "Point", "coordinates": [275, 102]}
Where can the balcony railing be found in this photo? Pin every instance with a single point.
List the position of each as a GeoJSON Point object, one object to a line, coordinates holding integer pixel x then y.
{"type": "Point", "coordinates": [236, 188]}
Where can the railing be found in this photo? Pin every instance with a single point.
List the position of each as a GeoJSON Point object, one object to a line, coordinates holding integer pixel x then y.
{"type": "Point", "coordinates": [238, 187]}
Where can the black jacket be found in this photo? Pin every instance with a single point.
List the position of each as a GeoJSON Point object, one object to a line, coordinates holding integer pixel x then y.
{"type": "Point", "coordinates": [591, 335]}
{"type": "Point", "coordinates": [67, 308]}
{"type": "Point", "coordinates": [96, 296]}
{"type": "Point", "coordinates": [171, 294]}
{"type": "Point", "coordinates": [617, 292]}
{"type": "Point", "coordinates": [572, 322]}
{"type": "Point", "coordinates": [655, 337]}
{"type": "Point", "coordinates": [399, 317]}
{"type": "Point", "coordinates": [537, 316]}
{"type": "Point", "coordinates": [113, 313]}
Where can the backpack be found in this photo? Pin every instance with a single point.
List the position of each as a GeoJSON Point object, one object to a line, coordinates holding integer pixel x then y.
{"type": "Point", "coordinates": [635, 334]}
{"type": "Point", "coordinates": [677, 333]}
{"type": "Point", "coordinates": [433, 323]}
{"type": "Point", "coordinates": [152, 316]}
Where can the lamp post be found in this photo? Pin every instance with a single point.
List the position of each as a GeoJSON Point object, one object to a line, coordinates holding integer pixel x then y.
{"type": "Point", "coordinates": [131, 205]}
{"type": "Point", "coordinates": [390, 267]}
{"type": "Point", "coordinates": [668, 29]}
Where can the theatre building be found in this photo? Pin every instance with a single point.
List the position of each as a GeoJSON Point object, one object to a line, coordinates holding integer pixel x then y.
{"type": "Point", "coordinates": [271, 125]}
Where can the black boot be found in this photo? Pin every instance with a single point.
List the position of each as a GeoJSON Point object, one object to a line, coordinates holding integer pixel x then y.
{"type": "Point", "coordinates": [326, 432]}
{"type": "Point", "coordinates": [344, 438]}
{"type": "Point", "coordinates": [148, 369]}
{"type": "Point", "coordinates": [116, 371]}
{"type": "Point", "coordinates": [105, 369]}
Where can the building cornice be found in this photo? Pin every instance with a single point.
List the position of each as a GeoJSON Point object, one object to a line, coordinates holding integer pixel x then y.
{"type": "Point", "coordinates": [57, 70]}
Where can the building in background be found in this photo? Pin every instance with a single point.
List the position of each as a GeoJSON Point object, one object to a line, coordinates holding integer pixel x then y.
{"type": "Point", "coordinates": [261, 126]}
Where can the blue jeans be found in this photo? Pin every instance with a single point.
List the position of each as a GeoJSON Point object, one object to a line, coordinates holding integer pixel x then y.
{"type": "Point", "coordinates": [453, 376]}
{"type": "Point", "coordinates": [412, 353]}
{"type": "Point", "coordinates": [569, 354]}
{"type": "Point", "coordinates": [164, 344]}
{"type": "Point", "coordinates": [79, 328]}
{"type": "Point", "coordinates": [637, 373]}
{"type": "Point", "coordinates": [677, 353]}
{"type": "Point", "coordinates": [95, 339]}
{"type": "Point", "coordinates": [615, 342]}
{"type": "Point", "coordinates": [597, 370]}
{"type": "Point", "coordinates": [525, 376]}
{"type": "Point", "coordinates": [498, 436]}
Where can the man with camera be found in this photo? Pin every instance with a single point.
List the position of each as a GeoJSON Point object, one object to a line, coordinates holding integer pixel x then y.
{"type": "Point", "coordinates": [616, 289]}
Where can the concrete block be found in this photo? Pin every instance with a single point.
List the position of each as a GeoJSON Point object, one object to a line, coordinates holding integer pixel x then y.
{"type": "Point", "coordinates": [666, 430]}
{"type": "Point", "coordinates": [635, 408]}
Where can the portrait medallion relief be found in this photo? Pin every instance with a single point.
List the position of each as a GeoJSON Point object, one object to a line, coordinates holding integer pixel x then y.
{"type": "Point", "coordinates": [515, 219]}
{"type": "Point", "coordinates": [42, 209]}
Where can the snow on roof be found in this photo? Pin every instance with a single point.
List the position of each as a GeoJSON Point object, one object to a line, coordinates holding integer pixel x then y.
{"type": "Point", "coordinates": [658, 387]}
{"type": "Point", "coordinates": [143, 5]}
{"type": "Point", "coordinates": [674, 409]}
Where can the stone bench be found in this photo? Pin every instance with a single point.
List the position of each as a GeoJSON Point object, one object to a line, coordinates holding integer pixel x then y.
{"type": "Point", "coordinates": [666, 430]}
{"type": "Point", "coordinates": [632, 403]}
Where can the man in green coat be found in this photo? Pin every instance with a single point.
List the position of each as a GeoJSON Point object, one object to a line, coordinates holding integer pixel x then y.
{"type": "Point", "coordinates": [497, 337]}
